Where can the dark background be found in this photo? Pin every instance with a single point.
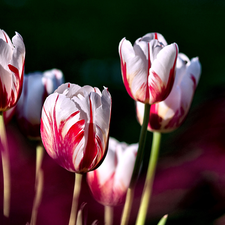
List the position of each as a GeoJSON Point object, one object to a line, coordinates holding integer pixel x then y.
{"type": "Point", "coordinates": [81, 38]}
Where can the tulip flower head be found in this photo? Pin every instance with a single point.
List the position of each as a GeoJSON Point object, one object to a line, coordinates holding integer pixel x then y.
{"type": "Point", "coordinates": [110, 181]}
{"type": "Point", "coordinates": [169, 114]}
{"type": "Point", "coordinates": [37, 86]}
{"type": "Point", "coordinates": [12, 58]}
{"type": "Point", "coordinates": [75, 126]}
{"type": "Point", "coordinates": [148, 67]}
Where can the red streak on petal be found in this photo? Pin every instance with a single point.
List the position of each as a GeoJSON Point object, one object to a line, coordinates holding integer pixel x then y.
{"type": "Point", "coordinates": [5, 37]}
{"type": "Point", "coordinates": [94, 184]}
{"type": "Point", "coordinates": [159, 91]}
{"type": "Point", "coordinates": [124, 73]}
{"type": "Point", "coordinates": [171, 77]}
{"type": "Point", "coordinates": [154, 119]}
{"type": "Point", "coordinates": [156, 36]}
{"type": "Point", "coordinates": [68, 85]}
{"type": "Point", "coordinates": [47, 115]}
{"type": "Point", "coordinates": [107, 193]}
{"type": "Point", "coordinates": [177, 119]}
{"type": "Point", "coordinates": [4, 97]}
{"type": "Point", "coordinates": [94, 150]}
{"type": "Point", "coordinates": [62, 147]}
{"type": "Point", "coordinates": [155, 88]}
{"type": "Point", "coordinates": [149, 66]}
{"type": "Point", "coordinates": [18, 84]}
{"type": "Point", "coordinates": [142, 93]}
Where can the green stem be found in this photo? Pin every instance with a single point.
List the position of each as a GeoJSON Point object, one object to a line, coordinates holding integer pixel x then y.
{"type": "Point", "coordinates": [137, 167]}
{"type": "Point", "coordinates": [149, 179]}
{"type": "Point", "coordinates": [127, 206]}
{"type": "Point", "coordinates": [6, 170]}
{"type": "Point", "coordinates": [76, 193]}
{"type": "Point", "coordinates": [141, 147]}
{"type": "Point", "coordinates": [39, 180]}
{"type": "Point", "coordinates": [108, 215]}
{"type": "Point", "coordinates": [163, 220]}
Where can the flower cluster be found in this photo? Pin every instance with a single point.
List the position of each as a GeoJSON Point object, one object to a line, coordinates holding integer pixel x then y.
{"type": "Point", "coordinates": [73, 122]}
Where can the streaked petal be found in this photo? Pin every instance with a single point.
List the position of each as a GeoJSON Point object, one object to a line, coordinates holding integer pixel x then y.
{"type": "Point", "coordinates": [162, 73]}
{"type": "Point", "coordinates": [148, 67]}
{"type": "Point", "coordinates": [110, 181]}
{"type": "Point", "coordinates": [134, 68]}
{"type": "Point", "coordinates": [72, 114]}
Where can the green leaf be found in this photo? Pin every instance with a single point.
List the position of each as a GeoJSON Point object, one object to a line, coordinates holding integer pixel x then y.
{"type": "Point", "coordinates": [163, 220]}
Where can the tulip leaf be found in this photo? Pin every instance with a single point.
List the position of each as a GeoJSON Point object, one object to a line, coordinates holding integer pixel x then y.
{"type": "Point", "coordinates": [163, 220]}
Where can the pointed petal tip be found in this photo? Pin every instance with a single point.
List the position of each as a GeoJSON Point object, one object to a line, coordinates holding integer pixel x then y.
{"type": "Point", "coordinates": [196, 58]}
{"type": "Point", "coordinates": [17, 34]}
{"type": "Point", "coordinates": [121, 42]}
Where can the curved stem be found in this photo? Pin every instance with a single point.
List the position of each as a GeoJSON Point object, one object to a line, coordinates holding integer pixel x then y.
{"type": "Point", "coordinates": [39, 180]}
{"type": "Point", "coordinates": [108, 215]}
{"type": "Point", "coordinates": [137, 167]}
{"type": "Point", "coordinates": [76, 193]}
{"type": "Point", "coordinates": [149, 179]}
{"type": "Point", "coordinates": [6, 170]}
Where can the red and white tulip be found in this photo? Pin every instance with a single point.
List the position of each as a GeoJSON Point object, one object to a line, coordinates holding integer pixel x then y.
{"type": "Point", "coordinates": [169, 114]}
{"type": "Point", "coordinates": [148, 67]}
{"type": "Point", "coordinates": [36, 87]}
{"type": "Point", "coordinates": [110, 181]}
{"type": "Point", "coordinates": [12, 59]}
{"type": "Point", "coordinates": [75, 126]}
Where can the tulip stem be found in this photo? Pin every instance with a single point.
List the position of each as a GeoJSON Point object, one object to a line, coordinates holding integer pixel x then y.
{"type": "Point", "coordinates": [141, 147]}
{"type": "Point", "coordinates": [137, 167]}
{"type": "Point", "coordinates": [149, 179]}
{"type": "Point", "coordinates": [108, 215]}
{"type": "Point", "coordinates": [76, 193]}
{"type": "Point", "coordinates": [39, 180]}
{"type": "Point", "coordinates": [127, 206]}
{"type": "Point", "coordinates": [6, 170]}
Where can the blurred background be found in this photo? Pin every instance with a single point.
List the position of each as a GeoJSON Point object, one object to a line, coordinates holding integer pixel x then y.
{"type": "Point", "coordinates": [81, 38]}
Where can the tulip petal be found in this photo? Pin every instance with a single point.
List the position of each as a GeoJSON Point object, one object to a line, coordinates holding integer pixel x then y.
{"type": "Point", "coordinates": [162, 73]}
{"type": "Point", "coordinates": [169, 114]}
{"type": "Point", "coordinates": [134, 68]}
{"type": "Point", "coordinates": [148, 67]}
{"type": "Point", "coordinates": [80, 141]}
{"type": "Point", "coordinates": [110, 181]}
{"type": "Point", "coordinates": [151, 36]}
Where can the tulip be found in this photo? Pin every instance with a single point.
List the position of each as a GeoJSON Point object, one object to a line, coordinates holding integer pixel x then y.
{"type": "Point", "coordinates": [75, 126]}
{"type": "Point", "coordinates": [148, 67]}
{"type": "Point", "coordinates": [12, 58]}
{"type": "Point", "coordinates": [37, 86]}
{"type": "Point", "coordinates": [110, 181]}
{"type": "Point", "coordinates": [169, 114]}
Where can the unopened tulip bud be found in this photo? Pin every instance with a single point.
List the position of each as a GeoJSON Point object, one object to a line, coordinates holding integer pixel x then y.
{"type": "Point", "coordinates": [148, 67]}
